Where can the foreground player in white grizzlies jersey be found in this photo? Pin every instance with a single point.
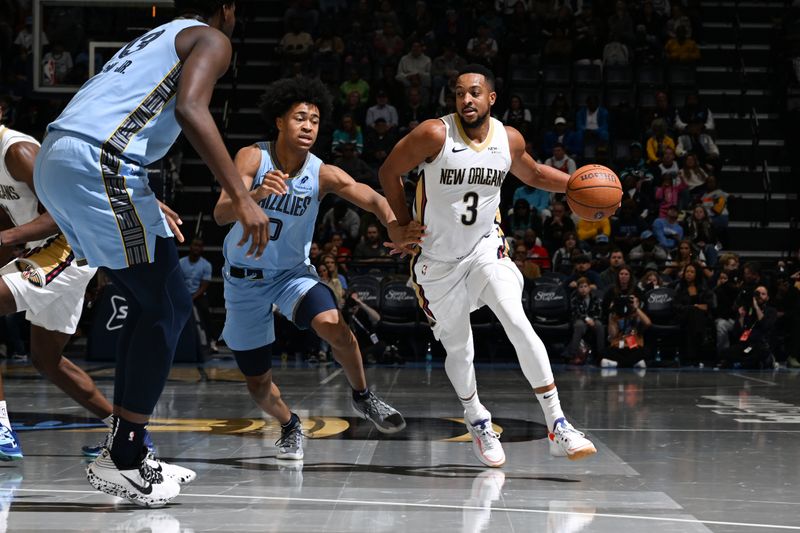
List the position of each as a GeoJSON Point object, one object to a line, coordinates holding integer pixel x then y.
{"type": "Point", "coordinates": [463, 262]}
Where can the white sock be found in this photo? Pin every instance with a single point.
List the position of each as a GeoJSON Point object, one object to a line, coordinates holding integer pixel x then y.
{"type": "Point", "coordinates": [4, 415]}
{"type": "Point", "coordinates": [109, 421]}
{"type": "Point", "coordinates": [551, 406]}
{"type": "Point", "coordinates": [474, 411]}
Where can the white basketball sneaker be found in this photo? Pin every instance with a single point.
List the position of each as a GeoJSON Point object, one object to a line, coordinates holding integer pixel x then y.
{"type": "Point", "coordinates": [179, 474]}
{"type": "Point", "coordinates": [141, 485]}
{"type": "Point", "coordinates": [486, 443]}
{"type": "Point", "coordinates": [566, 441]}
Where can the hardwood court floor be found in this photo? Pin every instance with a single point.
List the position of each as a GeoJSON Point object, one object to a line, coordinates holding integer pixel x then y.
{"type": "Point", "coordinates": [678, 451]}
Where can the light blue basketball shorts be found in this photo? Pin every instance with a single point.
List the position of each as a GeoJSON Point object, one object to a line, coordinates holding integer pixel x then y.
{"type": "Point", "coordinates": [249, 323]}
{"type": "Point", "coordinates": [102, 203]}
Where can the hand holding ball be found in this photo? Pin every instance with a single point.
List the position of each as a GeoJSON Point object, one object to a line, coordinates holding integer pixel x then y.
{"type": "Point", "coordinates": [594, 192]}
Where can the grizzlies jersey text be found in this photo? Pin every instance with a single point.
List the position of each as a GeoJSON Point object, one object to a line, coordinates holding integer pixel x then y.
{"type": "Point", "coordinates": [129, 107]}
{"type": "Point", "coordinates": [292, 217]}
{"type": "Point", "coordinates": [458, 193]}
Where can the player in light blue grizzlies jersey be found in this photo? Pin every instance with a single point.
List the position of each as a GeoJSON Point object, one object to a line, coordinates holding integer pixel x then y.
{"type": "Point", "coordinates": [288, 182]}
{"type": "Point", "coordinates": [90, 175]}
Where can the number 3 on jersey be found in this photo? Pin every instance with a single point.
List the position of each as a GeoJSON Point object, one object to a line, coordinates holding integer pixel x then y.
{"type": "Point", "coordinates": [469, 218]}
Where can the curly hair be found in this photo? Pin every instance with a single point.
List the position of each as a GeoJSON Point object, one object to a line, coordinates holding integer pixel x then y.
{"type": "Point", "coordinates": [281, 95]}
{"type": "Point", "coordinates": [204, 8]}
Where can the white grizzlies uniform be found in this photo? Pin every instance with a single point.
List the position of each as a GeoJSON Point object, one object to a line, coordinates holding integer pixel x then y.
{"type": "Point", "coordinates": [458, 196]}
{"type": "Point", "coordinates": [46, 282]}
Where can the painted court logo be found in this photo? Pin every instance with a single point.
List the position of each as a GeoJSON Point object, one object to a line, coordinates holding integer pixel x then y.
{"type": "Point", "coordinates": [753, 409]}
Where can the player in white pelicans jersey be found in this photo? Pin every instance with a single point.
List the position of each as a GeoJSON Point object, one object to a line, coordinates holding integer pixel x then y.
{"type": "Point", "coordinates": [462, 263]}
{"type": "Point", "coordinates": [45, 281]}
{"type": "Point", "coordinates": [458, 193]}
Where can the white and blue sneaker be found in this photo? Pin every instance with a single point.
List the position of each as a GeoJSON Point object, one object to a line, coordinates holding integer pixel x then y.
{"type": "Point", "coordinates": [10, 449]}
{"type": "Point", "coordinates": [566, 441]}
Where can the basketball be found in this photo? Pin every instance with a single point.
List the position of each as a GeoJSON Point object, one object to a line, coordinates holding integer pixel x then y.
{"type": "Point", "coordinates": [594, 192]}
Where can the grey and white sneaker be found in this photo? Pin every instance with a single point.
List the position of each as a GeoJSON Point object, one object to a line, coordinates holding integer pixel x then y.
{"type": "Point", "coordinates": [141, 485]}
{"type": "Point", "coordinates": [179, 474]}
{"type": "Point", "coordinates": [290, 445]}
{"type": "Point", "coordinates": [385, 417]}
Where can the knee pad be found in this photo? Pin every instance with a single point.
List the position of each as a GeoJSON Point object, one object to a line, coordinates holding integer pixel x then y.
{"type": "Point", "coordinates": [317, 300]}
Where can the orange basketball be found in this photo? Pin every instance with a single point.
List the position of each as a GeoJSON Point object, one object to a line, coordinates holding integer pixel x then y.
{"type": "Point", "coordinates": [594, 192]}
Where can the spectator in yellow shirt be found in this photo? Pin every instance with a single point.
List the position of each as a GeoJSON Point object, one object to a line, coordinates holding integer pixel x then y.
{"type": "Point", "coordinates": [659, 141]}
{"type": "Point", "coordinates": [589, 229]}
{"type": "Point", "coordinates": [680, 49]}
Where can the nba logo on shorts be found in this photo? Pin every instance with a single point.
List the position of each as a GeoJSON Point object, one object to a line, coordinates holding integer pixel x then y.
{"type": "Point", "coordinates": [424, 269]}
{"type": "Point", "coordinates": [599, 215]}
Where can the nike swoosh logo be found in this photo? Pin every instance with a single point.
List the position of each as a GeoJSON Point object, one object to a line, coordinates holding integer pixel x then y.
{"type": "Point", "coordinates": [144, 490]}
{"type": "Point", "coordinates": [547, 397]}
{"type": "Point", "coordinates": [456, 151]}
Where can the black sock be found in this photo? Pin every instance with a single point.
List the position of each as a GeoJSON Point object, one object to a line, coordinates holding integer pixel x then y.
{"type": "Point", "coordinates": [361, 395]}
{"type": "Point", "coordinates": [127, 444]}
{"type": "Point", "coordinates": [295, 420]}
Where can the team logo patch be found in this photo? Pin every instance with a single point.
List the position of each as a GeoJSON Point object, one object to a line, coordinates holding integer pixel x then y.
{"type": "Point", "coordinates": [31, 275]}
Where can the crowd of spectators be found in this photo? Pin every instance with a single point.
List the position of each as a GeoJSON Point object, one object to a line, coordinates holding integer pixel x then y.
{"type": "Point", "coordinates": [392, 65]}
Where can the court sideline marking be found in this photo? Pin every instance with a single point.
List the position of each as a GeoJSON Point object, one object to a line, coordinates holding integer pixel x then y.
{"type": "Point", "coordinates": [764, 381]}
{"type": "Point", "coordinates": [438, 506]}
{"type": "Point", "coordinates": [331, 377]}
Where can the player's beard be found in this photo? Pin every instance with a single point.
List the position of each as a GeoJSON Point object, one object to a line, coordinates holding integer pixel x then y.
{"type": "Point", "coordinates": [477, 123]}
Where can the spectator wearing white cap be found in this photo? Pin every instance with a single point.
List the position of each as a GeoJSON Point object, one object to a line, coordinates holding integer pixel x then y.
{"type": "Point", "coordinates": [561, 133]}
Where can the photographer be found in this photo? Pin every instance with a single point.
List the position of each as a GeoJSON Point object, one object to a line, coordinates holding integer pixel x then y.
{"type": "Point", "coordinates": [626, 325]}
{"type": "Point", "coordinates": [363, 321]}
{"type": "Point", "coordinates": [753, 329]}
